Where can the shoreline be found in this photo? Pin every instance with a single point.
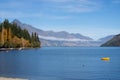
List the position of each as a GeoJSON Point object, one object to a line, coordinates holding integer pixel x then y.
{"type": "Point", "coordinates": [7, 78]}
{"type": "Point", "coordinates": [21, 48]}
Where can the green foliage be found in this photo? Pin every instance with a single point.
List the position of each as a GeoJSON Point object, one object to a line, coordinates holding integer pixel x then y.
{"type": "Point", "coordinates": [16, 30]}
{"type": "Point", "coordinates": [13, 30]}
{"type": "Point", "coordinates": [35, 40]}
{"type": "Point", "coordinates": [26, 35]}
{"type": "Point", "coordinates": [6, 23]}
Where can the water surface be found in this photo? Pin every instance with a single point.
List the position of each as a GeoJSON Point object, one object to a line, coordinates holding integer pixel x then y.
{"type": "Point", "coordinates": [62, 63]}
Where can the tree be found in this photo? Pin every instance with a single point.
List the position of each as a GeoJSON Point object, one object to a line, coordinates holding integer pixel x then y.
{"type": "Point", "coordinates": [11, 35]}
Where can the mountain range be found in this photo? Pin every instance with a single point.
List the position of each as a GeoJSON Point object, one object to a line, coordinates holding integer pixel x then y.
{"type": "Point", "coordinates": [62, 38]}
{"type": "Point", "coordinates": [115, 41]}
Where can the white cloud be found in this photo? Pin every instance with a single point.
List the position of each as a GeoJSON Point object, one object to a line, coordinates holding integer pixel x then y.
{"type": "Point", "coordinates": [17, 9]}
{"type": "Point", "coordinates": [66, 1]}
{"type": "Point", "coordinates": [62, 39]}
{"type": "Point", "coordinates": [75, 5]}
{"type": "Point", "coordinates": [57, 0]}
{"type": "Point", "coordinates": [60, 17]}
{"type": "Point", "coordinates": [71, 8]}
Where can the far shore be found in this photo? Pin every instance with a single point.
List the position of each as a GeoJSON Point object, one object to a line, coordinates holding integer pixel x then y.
{"type": "Point", "coordinates": [5, 78]}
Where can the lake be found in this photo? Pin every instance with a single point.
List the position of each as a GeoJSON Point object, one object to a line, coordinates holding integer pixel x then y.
{"type": "Point", "coordinates": [62, 63]}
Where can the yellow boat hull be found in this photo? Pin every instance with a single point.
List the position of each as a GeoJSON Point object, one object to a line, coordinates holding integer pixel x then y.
{"type": "Point", "coordinates": [105, 58]}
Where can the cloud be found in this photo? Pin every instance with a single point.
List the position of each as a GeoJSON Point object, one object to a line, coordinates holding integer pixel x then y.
{"type": "Point", "coordinates": [54, 9]}
{"type": "Point", "coordinates": [62, 39]}
{"type": "Point", "coordinates": [60, 17]}
{"type": "Point", "coordinates": [79, 9]}
{"type": "Point", "coordinates": [57, 0]}
{"type": "Point", "coordinates": [75, 5]}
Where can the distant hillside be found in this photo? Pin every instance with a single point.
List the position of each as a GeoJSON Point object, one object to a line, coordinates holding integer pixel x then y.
{"type": "Point", "coordinates": [45, 42]}
{"type": "Point", "coordinates": [61, 34]}
{"type": "Point", "coordinates": [62, 38]}
{"type": "Point", "coordinates": [12, 36]}
{"type": "Point", "coordinates": [115, 41]}
{"type": "Point", "coordinates": [105, 39]}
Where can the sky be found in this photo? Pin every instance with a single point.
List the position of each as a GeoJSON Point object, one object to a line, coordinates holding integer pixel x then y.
{"type": "Point", "coordinates": [93, 18]}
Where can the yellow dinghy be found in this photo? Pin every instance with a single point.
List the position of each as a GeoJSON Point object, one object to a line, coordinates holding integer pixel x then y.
{"type": "Point", "coordinates": [105, 58]}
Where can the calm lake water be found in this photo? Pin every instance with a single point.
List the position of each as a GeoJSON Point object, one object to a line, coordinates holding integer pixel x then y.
{"type": "Point", "coordinates": [62, 63]}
